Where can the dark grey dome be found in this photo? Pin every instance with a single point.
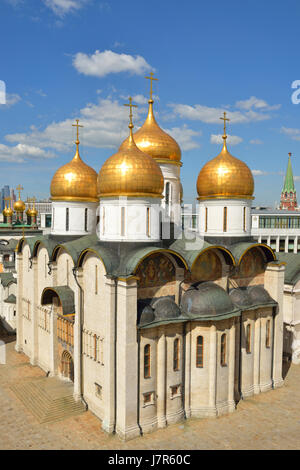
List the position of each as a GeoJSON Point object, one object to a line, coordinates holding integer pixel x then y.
{"type": "Point", "coordinates": [240, 297]}
{"type": "Point", "coordinates": [147, 315]}
{"type": "Point", "coordinates": [250, 296]}
{"type": "Point", "coordinates": [259, 295]}
{"type": "Point", "coordinates": [206, 299]}
{"type": "Point", "coordinates": [165, 308]}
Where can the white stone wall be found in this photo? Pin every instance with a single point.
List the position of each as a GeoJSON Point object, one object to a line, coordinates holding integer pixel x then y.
{"type": "Point", "coordinates": [215, 219]}
{"type": "Point", "coordinates": [135, 225]}
{"type": "Point", "coordinates": [76, 218]}
{"type": "Point", "coordinates": [171, 174]}
{"type": "Point", "coordinates": [94, 324]}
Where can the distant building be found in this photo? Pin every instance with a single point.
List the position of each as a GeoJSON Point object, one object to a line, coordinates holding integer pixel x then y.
{"type": "Point", "coordinates": [279, 229]}
{"type": "Point", "coordinates": [288, 200]}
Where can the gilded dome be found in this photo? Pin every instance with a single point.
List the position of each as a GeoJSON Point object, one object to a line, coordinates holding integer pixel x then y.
{"type": "Point", "coordinates": [225, 177]}
{"type": "Point", "coordinates": [19, 206]}
{"type": "Point", "coordinates": [7, 212]}
{"type": "Point", "coordinates": [151, 139]}
{"type": "Point", "coordinates": [75, 181]}
{"type": "Point", "coordinates": [130, 172]}
{"type": "Point", "coordinates": [32, 212]}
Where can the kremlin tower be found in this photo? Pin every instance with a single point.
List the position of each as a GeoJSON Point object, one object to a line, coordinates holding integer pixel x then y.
{"type": "Point", "coordinates": [288, 200]}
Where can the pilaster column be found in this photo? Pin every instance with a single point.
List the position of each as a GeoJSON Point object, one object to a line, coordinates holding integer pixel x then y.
{"type": "Point", "coordinates": [161, 378]}
{"type": "Point", "coordinates": [34, 314]}
{"type": "Point", "coordinates": [187, 388]}
{"type": "Point", "coordinates": [231, 367]}
{"type": "Point", "coordinates": [53, 331]}
{"type": "Point", "coordinates": [127, 360]}
{"type": "Point", "coordinates": [78, 324]}
{"type": "Point", "coordinates": [179, 279]}
{"type": "Point", "coordinates": [212, 369]}
{"type": "Point", "coordinates": [274, 284]}
{"type": "Point", "coordinates": [109, 356]}
{"type": "Point", "coordinates": [256, 354]}
{"type": "Point", "coordinates": [19, 268]}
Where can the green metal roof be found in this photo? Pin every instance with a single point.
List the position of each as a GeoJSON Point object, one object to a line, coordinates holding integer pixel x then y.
{"type": "Point", "coordinates": [66, 297]}
{"type": "Point", "coordinates": [11, 299]}
{"type": "Point", "coordinates": [7, 278]}
{"type": "Point", "coordinates": [292, 269]}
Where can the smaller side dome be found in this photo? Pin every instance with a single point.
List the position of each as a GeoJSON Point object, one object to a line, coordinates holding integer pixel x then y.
{"type": "Point", "coordinates": [7, 212]}
{"type": "Point", "coordinates": [206, 300]}
{"type": "Point", "coordinates": [75, 181]}
{"type": "Point", "coordinates": [225, 176]}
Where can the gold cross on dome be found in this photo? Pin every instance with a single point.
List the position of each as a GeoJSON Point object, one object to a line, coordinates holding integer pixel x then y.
{"type": "Point", "coordinates": [151, 78]}
{"type": "Point", "coordinates": [77, 125]}
{"type": "Point", "coordinates": [290, 154]}
{"type": "Point", "coordinates": [19, 188]}
{"type": "Point", "coordinates": [7, 199]}
{"type": "Point", "coordinates": [130, 105]}
{"type": "Point", "coordinates": [224, 118]}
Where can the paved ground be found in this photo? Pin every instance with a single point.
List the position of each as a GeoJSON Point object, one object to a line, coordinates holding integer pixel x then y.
{"type": "Point", "coordinates": [268, 421]}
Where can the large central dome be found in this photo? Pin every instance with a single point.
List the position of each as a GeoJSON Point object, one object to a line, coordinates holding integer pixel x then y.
{"type": "Point", "coordinates": [130, 172]}
{"type": "Point", "coordinates": [225, 177]}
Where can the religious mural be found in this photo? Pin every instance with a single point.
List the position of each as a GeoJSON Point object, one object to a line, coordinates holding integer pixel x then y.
{"type": "Point", "coordinates": [208, 267]}
{"type": "Point", "coordinates": [155, 271]}
{"type": "Point", "coordinates": [252, 263]}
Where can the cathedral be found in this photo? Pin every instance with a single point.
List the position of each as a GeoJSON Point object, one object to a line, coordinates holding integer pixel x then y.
{"type": "Point", "coordinates": [152, 324]}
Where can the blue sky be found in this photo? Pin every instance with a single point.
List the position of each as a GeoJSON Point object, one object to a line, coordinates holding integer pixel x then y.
{"type": "Point", "coordinates": [68, 59]}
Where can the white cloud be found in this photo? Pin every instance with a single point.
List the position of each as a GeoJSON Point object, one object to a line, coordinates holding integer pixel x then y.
{"type": "Point", "coordinates": [291, 132]}
{"type": "Point", "coordinates": [297, 178]}
{"type": "Point", "coordinates": [184, 136]}
{"type": "Point", "coordinates": [11, 99]}
{"type": "Point", "coordinates": [21, 152]}
{"type": "Point", "coordinates": [249, 110]}
{"type": "Point", "coordinates": [256, 103]}
{"type": "Point", "coordinates": [256, 142]}
{"type": "Point", "coordinates": [61, 7]}
{"type": "Point", "coordinates": [259, 172]}
{"type": "Point", "coordinates": [105, 126]}
{"type": "Point", "coordinates": [231, 139]}
{"type": "Point", "coordinates": [103, 63]}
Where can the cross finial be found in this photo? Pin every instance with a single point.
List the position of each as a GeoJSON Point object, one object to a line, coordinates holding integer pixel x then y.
{"type": "Point", "coordinates": [77, 131]}
{"type": "Point", "coordinates": [224, 118]}
{"type": "Point", "coordinates": [290, 154]}
{"type": "Point", "coordinates": [19, 188]}
{"type": "Point", "coordinates": [130, 105]}
{"type": "Point", "coordinates": [151, 78]}
{"type": "Point", "coordinates": [7, 199]}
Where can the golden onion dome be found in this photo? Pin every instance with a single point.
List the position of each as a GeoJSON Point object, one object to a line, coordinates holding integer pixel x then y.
{"type": "Point", "coordinates": [151, 139]}
{"type": "Point", "coordinates": [130, 172]}
{"type": "Point", "coordinates": [75, 181]}
{"type": "Point", "coordinates": [32, 212]}
{"type": "Point", "coordinates": [19, 206]}
{"type": "Point", "coordinates": [7, 212]}
{"type": "Point", "coordinates": [225, 177]}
